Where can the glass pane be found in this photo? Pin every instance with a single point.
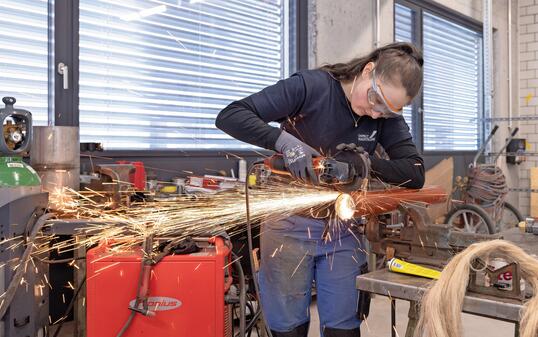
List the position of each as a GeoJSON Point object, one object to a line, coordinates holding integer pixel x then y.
{"type": "Point", "coordinates": [24, 55]}
{"type": "Point", "coordinates": [154, 74]}
{"type": "Point", "coordinates": [403, 32]}
{"type": "Point", "coordinates": [452, 90]}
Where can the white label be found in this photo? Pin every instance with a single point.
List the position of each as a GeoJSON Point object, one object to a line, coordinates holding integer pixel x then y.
{"type": "Point", "coordinates": [18, 165]}
{"type": "Point", "coordinates": [159, 303]}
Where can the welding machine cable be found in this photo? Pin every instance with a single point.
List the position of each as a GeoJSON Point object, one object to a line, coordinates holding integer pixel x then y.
{"type": "Point", "coordinates": [143, 285]}
{"type": "Point", "coordinates": [250, 248]}
{"type": "Point", "coordinates": [8, 296]}
{"type": "Point", "coordinates": [242, 296]}
{"type": "Point", "coordinates": [441, 306]}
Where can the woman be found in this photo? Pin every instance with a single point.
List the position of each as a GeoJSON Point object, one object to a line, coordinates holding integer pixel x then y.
{"type": "Point", "coordinates": [357, 102]}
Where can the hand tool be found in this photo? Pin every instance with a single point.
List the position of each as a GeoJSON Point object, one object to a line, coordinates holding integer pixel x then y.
{"type": "Point", "coordinates": [345, 176]}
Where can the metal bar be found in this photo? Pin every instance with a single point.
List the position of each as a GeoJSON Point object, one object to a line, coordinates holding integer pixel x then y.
{"type": "Point", "coordinates": [532, 190]}
{"type": "Point", "coordinates": [51, 64]}
{"type": "Point", "coordinates": [512, 135]}
{"type": "Point", "coordinates": [79, 276]}
{"type": "Point", "coordinates": [483, 146]}
{"type": "Point", "coordinates": [522, 154]}
{"type": "Point", "coordinates": [507, 119]}
{"type": "Point", "coordinates": [377, 24]}
{"type": "Point", "coordinates": [70, 226]}
{"type": "Point", "coordinates": [487, 58]}
{"type": "Point", "coordinates": [413, 319]}
{"type": "Point", "coordinates": [393, 317]}
{"type": "Point", "coordinates": [510, 62]}
{"type": "Point", "coordinates": [389, 200]}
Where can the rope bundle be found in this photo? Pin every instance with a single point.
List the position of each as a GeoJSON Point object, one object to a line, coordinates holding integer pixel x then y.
{"type": "Point", "coordinates": [440, 311]}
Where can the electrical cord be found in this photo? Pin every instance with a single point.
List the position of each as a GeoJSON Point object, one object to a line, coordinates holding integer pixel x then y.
{"type": "Point", "coordinates": [242, 296]}
{"type": "Point", "coordinates": [70, 306]}
{"type": "Point", "coordinates": [254, 319]}
{"type": "Point", "coordinates": [8, 296]}
{"type": "Point", "coordinates": [47, 261]}
{"type": "Point", "coordinates": [143, 273]}
{"type": "Point", "coordinates": [250, 247]}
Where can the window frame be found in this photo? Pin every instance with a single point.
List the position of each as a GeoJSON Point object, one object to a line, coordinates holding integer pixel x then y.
{"type": "Point", "coordinates": [419, 7]}
{"type": "Point", "coordinates": [66, 50]}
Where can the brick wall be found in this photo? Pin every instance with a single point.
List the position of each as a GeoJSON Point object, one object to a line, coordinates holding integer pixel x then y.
{"type": "Point", "coordinates": [528, 89]}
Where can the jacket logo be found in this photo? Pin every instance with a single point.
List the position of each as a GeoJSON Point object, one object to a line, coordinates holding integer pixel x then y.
{"type": "Point", "coordinates": [159, 303]}
{"type": "Point", "coordinates": [367, 138]}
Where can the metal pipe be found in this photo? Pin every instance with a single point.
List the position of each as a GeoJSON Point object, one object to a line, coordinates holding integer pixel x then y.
{"type": "Point", "coordinates": [487, 60]}
{"type": "Point", "coordinates": [377, 26]}
{"type": "Point", "coordinates": [55, 155]}
{"type": "Point", "coordinates": [510, 64]}
{"type": "Point", "coordinates": [379, 202]}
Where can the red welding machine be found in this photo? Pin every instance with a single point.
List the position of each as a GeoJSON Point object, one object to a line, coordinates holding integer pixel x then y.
{"type": "Point", "coordinates": [186, 292]}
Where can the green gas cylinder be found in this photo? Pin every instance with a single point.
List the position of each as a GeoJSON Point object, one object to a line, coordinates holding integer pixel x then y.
{"type": "Point", "coordinates": [15, 141]}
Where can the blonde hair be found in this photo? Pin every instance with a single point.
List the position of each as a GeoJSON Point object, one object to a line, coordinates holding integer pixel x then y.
{"type": "Point", "coordinates": [440, 311]}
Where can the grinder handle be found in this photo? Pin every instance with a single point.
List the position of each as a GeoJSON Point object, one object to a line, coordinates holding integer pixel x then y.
{"type": "Point", "coordinates": [277, 165]}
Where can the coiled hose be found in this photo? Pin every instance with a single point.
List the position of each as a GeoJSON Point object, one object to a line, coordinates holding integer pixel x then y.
{"type": "Point", "coordinates": [487, 188]}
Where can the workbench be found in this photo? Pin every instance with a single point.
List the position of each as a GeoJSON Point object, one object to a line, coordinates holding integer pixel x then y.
{"type": "Point", "coordinates": [411, 288]}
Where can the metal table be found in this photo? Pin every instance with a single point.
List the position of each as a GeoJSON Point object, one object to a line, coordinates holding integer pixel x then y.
{"type": "Point", "coordinates": [411, 288]}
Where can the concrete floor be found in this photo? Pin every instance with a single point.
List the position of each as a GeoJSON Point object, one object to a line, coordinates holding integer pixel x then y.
{"type": "Point", "coordinates": [378, 324]}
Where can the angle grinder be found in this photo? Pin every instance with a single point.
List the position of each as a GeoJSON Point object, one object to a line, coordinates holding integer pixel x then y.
{"type": "Point", "coordinates": [344, 176]}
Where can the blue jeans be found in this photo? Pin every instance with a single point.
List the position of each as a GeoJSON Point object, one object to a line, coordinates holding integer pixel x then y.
{"type": "Point", "coordinates": [293, 255]}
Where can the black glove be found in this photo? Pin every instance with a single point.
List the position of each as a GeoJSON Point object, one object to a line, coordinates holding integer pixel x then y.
{"type": "Point", "coordinates": [358, 158]}
{"type": "Point", "coordinates": [297, 157]}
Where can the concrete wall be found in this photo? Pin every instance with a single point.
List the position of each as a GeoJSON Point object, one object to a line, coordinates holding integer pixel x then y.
{"type": "Point", "coordinates": [342, 29]}
{"type": "Point", "coordinates": [527, 35]}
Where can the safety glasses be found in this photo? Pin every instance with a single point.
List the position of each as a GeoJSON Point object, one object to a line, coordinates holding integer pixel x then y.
{"type": "Point", "coordinates": [379, 103]}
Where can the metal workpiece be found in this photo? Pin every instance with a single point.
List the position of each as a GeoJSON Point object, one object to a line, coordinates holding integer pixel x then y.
{"type": "Point", "coordinates": [55, 156]}
{"type": "Point", "coordinates": [377, 202]}
{"type": "Point", "coordinates": [417, 239]}
{"type": "Point", "coordinates": [113, 183]}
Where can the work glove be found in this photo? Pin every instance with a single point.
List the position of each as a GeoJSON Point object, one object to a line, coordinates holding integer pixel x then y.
{"type": "Point", "coordinates": [297, 157]}
{"type": "Point", "coordinates": [358, 158]}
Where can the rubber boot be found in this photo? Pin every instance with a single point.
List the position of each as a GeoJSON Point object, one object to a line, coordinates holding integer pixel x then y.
{"type": "Point", "coordinates": [332, 332]}
{"type": "Point", "coordinates": [300, 331]}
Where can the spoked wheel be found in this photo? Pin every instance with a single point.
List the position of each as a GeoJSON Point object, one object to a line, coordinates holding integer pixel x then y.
{"type": "Point", "coordinates": [511, 217]}
{"type": "Point", "coordinates": [470, 218]}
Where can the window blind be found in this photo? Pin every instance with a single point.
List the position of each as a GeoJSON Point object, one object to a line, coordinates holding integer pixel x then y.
{"type": "Point", "coordinates": [24, 55]}
{"type": "Point", "coordinates": [403, 32]}
{"type": "Point", "coordinates": [452, 85]}
{"type": "Point", "coordinates": [154, 74]}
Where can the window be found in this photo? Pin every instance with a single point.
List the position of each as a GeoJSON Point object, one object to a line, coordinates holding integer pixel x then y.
{"type": "Point", "coordinates": [452, 91]}
{"type": "Point", "coordinates": [403, 32]}
{"type": "Point", "coordinates": [154, 74]}
{"type": "Point", "coordinates": [24, 55]}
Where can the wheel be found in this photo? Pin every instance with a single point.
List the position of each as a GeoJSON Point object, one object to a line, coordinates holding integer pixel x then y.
{"type": "Point", "coordinates": [511, 217]}
{"type": "Point", "coordinates": [470, 218]}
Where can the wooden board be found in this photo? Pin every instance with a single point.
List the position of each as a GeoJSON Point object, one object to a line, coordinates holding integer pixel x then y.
{"type": "Point", "coordinates": [440, 175]}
